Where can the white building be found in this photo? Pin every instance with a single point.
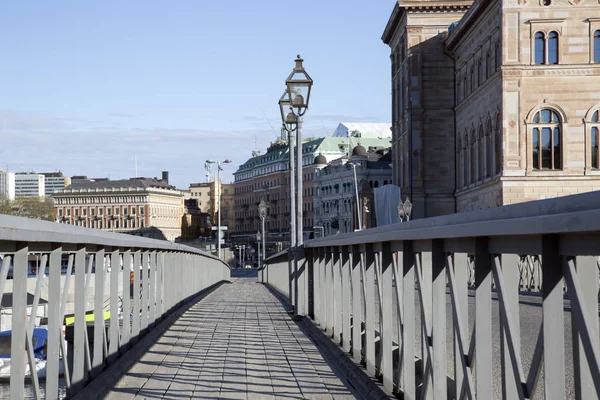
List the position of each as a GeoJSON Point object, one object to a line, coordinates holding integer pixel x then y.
{"type": "Point", "coordinates": [7, 185]}
{"type": "Point", "coordinates": [55, 181]}
{"type": "Point", "coordinates": [29, 184]}
{"type": "Point", "coordinates": [373, 130]}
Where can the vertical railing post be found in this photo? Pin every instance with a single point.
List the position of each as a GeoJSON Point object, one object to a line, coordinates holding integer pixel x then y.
{"type": "Point", "coordinates": [553, 318]}
{"type": "Point", "coordinates": [19, 318]}
{"type": "Point", "coordinates": [99, 327]}
{"type": "Point", "coordinates": [318, 284]}
{"type": "Point", "coordinates": [79, 324]}
{"type": "Point", "coordinates": [137, 271]}
{"type": "Point", "coordinates": [408, 311]}
{"type": "Point", "coordinates": [338, 305]}
{"type": "Point", "coordinates": [355, 264]}
{"type": "Point", "coordinates": [115, 270]}
{"type": "Point", "coordinates": [459, 262]}
{"type": "Point", "coordinates": [438, 258]}
{"type": "Point", "coordinates": [510, 274]}
{"type": "Point", "coordinates": [326, 289]}
{"type": "Point", "coordinates": [483, 318]}
{"type": "Point", "coordinates": [301, 286]}
{"type": "Point", "coordinates": [145, 288]}
{"type": "Point", "coordinates": [386, 303]}
{"type": "Point", "coordinates": [160, 291]}
{"type": "Point", "coordinates": [587, 272]}
{"type": "Point", "coordinates": [152, 267]}
{"type": "Point", "coordinates": [346, 297]}
{"type": "Point", "coordinates": [369, 256]}
{"type": "Point", "coordinates": [424, 262]}
{"type": "Point", "coordinates": [126, 303]}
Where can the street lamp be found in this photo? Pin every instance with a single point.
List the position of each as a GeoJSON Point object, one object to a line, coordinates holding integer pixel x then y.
{"type": "Point", "coordinates": [404, 210]}
{"type": "Point", "coordinates": [262, 213]}
{"type": "Point", "coordinates": [358, 207]}
{"type": "Point", "coordinates": [293, 105]}
{"type": "Point", "coordinates": [218, 185]}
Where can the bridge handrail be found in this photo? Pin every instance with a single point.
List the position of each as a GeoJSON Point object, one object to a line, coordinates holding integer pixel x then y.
{"type": "Point", "coordinates": [366, 288]}
{"type": "Point", "coordinates": [142, 280]}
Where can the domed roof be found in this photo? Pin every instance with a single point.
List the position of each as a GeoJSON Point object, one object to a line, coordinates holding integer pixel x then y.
{"type": "Point", "coordinates": [359, 151]}
{"type": "Point", "coordinates": [320, 159]}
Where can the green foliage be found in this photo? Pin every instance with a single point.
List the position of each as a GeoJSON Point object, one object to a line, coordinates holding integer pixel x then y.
{"type": "Point", "coordinates": [29, 207]}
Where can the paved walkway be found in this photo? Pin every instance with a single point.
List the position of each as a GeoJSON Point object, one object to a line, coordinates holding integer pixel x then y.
{"type": "Point", "coordinates": [237, 343]}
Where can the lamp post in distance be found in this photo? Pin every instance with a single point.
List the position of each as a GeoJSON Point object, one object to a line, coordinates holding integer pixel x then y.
{"type": "Point", "coordinates": [293, 105]}
{"type": "Point", "coordinates": [218, 185]}
{"type": "Point", "coordinates": [354, 164]}
{"type": "Point", "coordinates": [404, 210]}
{"type": "Point", "coordinates": [262, 213]}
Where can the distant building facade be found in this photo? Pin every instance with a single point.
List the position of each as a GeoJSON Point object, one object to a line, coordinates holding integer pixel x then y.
{"type": "Point", "coordinates": [143, 206]}
{"type": "Point", "coordinates": [335, 195]}
{"type": "Point", "coordinates": [54, 181]}
{"type": "Point", "coordinates": [29, 184]}
{"type": "Point", "coordinates": [266, 177]}
{"type": "Point", "coordinates": [7, 185]}
{"type": "Point", "coordinates": [494, 102]}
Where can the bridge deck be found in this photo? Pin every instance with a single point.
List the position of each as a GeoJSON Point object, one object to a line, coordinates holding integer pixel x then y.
{"type": "Point", "coordinates": [237, 343]}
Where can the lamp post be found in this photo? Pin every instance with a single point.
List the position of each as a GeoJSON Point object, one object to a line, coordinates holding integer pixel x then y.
{"type": "Point", "coordinates": [262, 213]}
{"type": "Point", "coordinates": [358, 207]}
{"type": "Point", "coordinates": [293, 105]}
{"type": "Point", "coordinates": [218, 185]}
{"type": "Point", "coordinates": [404, 210]}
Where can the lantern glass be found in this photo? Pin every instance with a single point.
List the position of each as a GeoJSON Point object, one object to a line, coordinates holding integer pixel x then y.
{"type": "Point", "coordinates": [299, 85]}
{"type": "Point", "coordinates": [262, 209]}
{"type": "Point", "coordinates": [407, 207]}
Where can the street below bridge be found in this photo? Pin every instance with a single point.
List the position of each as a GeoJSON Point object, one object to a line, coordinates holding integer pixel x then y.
{"type": "Point", "coordinates": [236, 343]}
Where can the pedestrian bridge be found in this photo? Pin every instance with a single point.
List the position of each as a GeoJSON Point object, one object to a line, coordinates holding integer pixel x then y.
{"type": "Point", "coordinates": [500, 303]}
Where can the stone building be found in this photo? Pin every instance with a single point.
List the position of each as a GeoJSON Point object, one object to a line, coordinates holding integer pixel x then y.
{"type": "Point", "coordinates": [501, 98]}
{"type": "Point", "coordinates": [335, 195]}
{"type": "Point", "coordinates": [266, 177]}
{"type": "Point", "coordinates": [143, 206]}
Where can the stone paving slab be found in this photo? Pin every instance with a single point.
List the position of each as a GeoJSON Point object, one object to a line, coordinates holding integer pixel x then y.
{"type": "Point", "coordinates": [237, 343]}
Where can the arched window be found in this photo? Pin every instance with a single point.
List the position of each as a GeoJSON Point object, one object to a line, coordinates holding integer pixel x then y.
{"type": "Point", "coordinates": [489, 156]}
{"type": "Point", "coordinates": [546, 140]}
{"type": "Point", "coordinates": [459, 155]}
{"type": "Point", "coordinates": [465, 166]}
{"type": "Point", "coordinates": [597, 46]}
{"type": "Point", "coordinates": [479, 72]}
{"type": "Point", "coordinates": [473, 157]}
{"type": "Point", "coordinates": [498, 144]}
{"type": "Point", "coordinates": [595, 140]}
{"type": "Point", "coordinates": [540, 48]}
{"type": "Point", "coordinates": [481, 154]}
{"type": "Point", "coordinates": [488, 64]}
{"type": "Point", "coordinates": [553, 48]}
{"type": "Point", "coordinates": [472, 79]}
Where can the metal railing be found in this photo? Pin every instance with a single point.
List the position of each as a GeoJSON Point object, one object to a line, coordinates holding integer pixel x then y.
{"type": "Point", "coordinates": [99, 271]}
{"type": "Point", "coordinates": [423, 304]}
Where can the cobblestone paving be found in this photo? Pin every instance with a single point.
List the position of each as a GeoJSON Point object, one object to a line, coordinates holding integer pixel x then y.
{"type": "Point", "coordinates": [237, 343]}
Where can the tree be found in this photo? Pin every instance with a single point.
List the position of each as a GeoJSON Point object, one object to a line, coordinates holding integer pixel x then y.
{"type": "Point", "coordinates": [29, 207]}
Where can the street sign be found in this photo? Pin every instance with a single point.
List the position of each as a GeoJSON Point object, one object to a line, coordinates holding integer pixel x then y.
{"type": "Point", "coordinates": [223, 228]}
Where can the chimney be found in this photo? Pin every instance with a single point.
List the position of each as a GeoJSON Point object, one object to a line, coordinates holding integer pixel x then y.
{"type": "Point", "coordinates": [165, 177]}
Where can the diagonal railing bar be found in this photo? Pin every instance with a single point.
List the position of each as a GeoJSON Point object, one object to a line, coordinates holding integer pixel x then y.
{"type": "Point", "coordinates": [465, 359]}
{"type": "Point", "coordinates": [536, 365]}
{"type": "Point", "coordinates": [4, 267]}
{"type": "Point", "coordinates": [63, 307]}
{"type": "Point", "coordinates": [427, 367]}
{"type": "Point", "coordinates": [37, 293]}
{"type": "Point", "coordinates": [398, 293]}
{"type": "Point", "coordinates": [583, 321]}
{"type": "Point", "coordinates": [506, 317]}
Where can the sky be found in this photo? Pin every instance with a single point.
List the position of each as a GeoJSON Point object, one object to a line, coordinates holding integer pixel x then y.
{"type": "Point", "coordinates": [88, 87]}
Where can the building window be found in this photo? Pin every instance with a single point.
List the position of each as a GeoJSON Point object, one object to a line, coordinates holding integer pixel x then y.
{"type": "Point", "coordinates": [488, 64]}
{"type": "Point", "coordinates": [489, 155]}
{"type": "Point", "coordinates": [595, 140]}
{"type": "Point", "coordinates": [472, 79]}
{"type": "Point", "coordinates": [473, 159]}
{"type": "Point", "coordinates": [481, 155]}
{"type": "Point", "coordinates": [553, 48]}
{"type": "Point", "coordinates": [597, 46]}
{"type": "Point", "coordinates": [498, 144]}
{"type": "Point", "coordinates": [546, 140]}
{"type": "Point", "coordinates": [540, 48]}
